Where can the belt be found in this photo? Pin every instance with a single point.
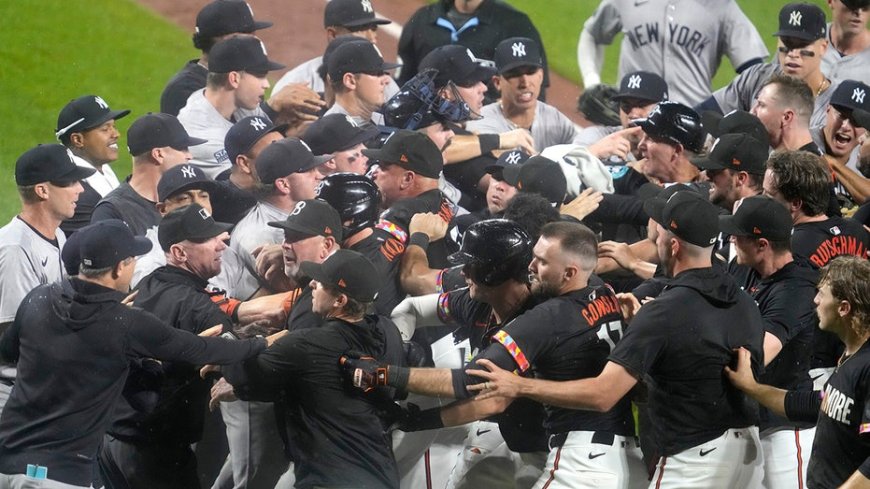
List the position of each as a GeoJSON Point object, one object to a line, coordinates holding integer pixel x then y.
{"type": "Point", "coordinates": [598, 437]}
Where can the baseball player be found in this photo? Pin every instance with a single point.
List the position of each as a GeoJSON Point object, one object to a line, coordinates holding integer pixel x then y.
{"type": "Point", "coordinates": [841, 451]}
{"type": "Point", "coordinates": [358, 75]}
{"type": "Point", "coordinates": [848, 40]}
{"type": "Point", "coordinates": [683, 41]}
{"type": "Point", "coordinates": [340, 136]}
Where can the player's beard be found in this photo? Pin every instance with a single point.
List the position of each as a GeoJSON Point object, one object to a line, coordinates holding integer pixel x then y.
{"type": "Point", "coordinates": [542, 290]}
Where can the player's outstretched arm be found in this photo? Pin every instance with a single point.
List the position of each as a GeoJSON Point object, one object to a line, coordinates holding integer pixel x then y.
{"type": "Point", "coordinates": [743, 378]}
{"type": "Point", "coordinates": [858, 480]}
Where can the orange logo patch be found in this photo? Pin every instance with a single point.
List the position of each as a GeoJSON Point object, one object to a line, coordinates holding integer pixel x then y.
{"type": "Point", "coordinates": [673, 224]}
{"type": "Point", "coordinates": [735, 162]}
{"type": "Point", "coordinates": [403, 158]}
{"type": "Point", "coordinates": [341, 283]}
{"type": "Point", "coordinates": [327, 230]}
{"type": "Point", "coordinates": [755, 230]}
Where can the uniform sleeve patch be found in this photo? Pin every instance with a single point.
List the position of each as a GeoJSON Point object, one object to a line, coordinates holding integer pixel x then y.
{"type": "Point", "coordinates": [444, 308]}
{"type": "Point", "coordinates": [512, 348]}
{"type": "Point", "coordinates": [864, 428]}
{"type": "Point", "coordinates": [393, 229]}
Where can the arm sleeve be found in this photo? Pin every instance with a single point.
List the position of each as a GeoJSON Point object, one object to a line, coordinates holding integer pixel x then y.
{"type": "Point", "coordinates": [590, 59]}
{"type": "Point", "coordinates": [414, 312]}
{"type": "Point", "coordinates": [802, 405]}
{"type": "Point", "coordinates": [622, 209]}
{"type": "Point", "coordinates": [19, 278]}
{"type": "Point", "coordinates": [742, 41]}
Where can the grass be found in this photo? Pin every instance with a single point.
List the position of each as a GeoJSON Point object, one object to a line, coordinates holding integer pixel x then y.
{"type": "Point", "coordinates": [55, 50]}
{"type": "Point", "coordinates": [560, 22]}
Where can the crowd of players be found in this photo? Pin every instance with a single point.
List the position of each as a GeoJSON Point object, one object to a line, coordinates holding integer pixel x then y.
{"type": "Point", "coordinates": [433, 278]}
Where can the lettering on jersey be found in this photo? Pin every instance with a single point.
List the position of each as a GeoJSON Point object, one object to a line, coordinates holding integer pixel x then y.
{"type": "Point", "coordinates": [837, 246]}
{"type": "Point", "coordinates": [836, 405]}
{"type": "Point", "coordinates": [221, 156]}
{"type": "Point", "coordinates": [691, 40]}
{"type": "Point", "coordinates": [600, 307]}
{"type": "Point", "coordinates": [446, 211]}
{"type": "Point", "coordinates": [392, 248]}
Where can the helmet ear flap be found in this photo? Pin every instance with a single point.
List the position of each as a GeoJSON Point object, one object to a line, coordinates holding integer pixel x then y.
{"type": "Point", "coordinates": [355, 197]}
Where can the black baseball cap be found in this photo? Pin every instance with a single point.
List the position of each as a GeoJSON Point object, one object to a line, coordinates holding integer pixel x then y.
{"type": "Point", "coordinates": [851, 95]}
{"type": "Point", "coordinates": [281, 158]}
{"type": "Point", "coordinates": [515, 52]}
{"type": "Point", "coordinates": [350, 13]}
{"type": "Point", "coordinates": [336, 132]}
{"type": "Point", "coordinates": [309, 218]}
{"type": "Point", "coordinates": [84, 113]}
{"type": "Point", "coordinates": [347, 271]}
{"type": "Point", "coordinates": [158, 131]}
{"type": "Point", "coordinates": [223, 17]}
{"type": "Point", "coordinates": [759, 216]}
{"type": "Point", "coordinates": [677, 123]}
{"type": "Point", "coordinates": [71, 255]}
{"type": "Point", "coordinates": [737, 152]}
{"type": "Point", "coordinates": [861, 118]}
{"type": "Point", "coordinates": [457, 64]}
{"type": "Point", "coordinates": [513, 157]}
{"type": "Point", "coordinates": [688, 215]}
{"type": "Point", "coordinates": [49, 163]}
{"type": "Point", "coordinates": [642, 85]}
{"type": "Point", "coordinates": [856, 4]}
{"type": "Point", "coordinates": [538, 175]}
{"type": "Point", "coordinates": [108, 242]}
{"type": "Point", "coordinates": [183, 177]}
{"type": "Point", "coordinates": [241, 53]}
{"type": "Point", "coordinates": [734, 122]}
{"type": "Point", "coordinates": [411, 150]}
{"type": "Point", "coordinates": [803, 21]}
{"type": "Point", "coordinates": [330, 48]}
{"type": "Point", "coordinates": [359, 56]}
{"type": "Point", "coordinates": [245, 133]}
{"type": "Point", "coordinates": [191, 222]}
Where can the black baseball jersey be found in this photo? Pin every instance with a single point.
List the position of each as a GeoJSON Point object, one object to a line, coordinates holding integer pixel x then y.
{"type": "Point", "coordinates": [822, 241]}
{"type": "Point", "coordinates": [84, 208]}
{"type": "Point", "coordinates": [679, 345]}
{"type": "Point", "coordinates": [190, 78]}
{"type": "Point", "coordinates": [126, 204]}
{"type": "Point", "coordinates": [842, 443]}
{"type": "Point", "coordinates": [395, 221]}
{"type": "Point", "coordinates": [301, 316]}
{"type": "Point", "coordinates": [385, 254]}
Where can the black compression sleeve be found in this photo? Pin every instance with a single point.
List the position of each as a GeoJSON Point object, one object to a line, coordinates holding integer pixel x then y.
{"type": "Point", "coordinates": [802, 405]}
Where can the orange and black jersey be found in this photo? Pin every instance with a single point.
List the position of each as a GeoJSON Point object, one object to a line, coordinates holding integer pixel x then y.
{"type": "Point", "coordinates": [385, 254]}
{"type": "Point", "coordinates": [396, 220]}
{"type": "Point", "coordinates": [822, 241]}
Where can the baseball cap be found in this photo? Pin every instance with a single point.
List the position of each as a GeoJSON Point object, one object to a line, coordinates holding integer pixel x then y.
{"type": "Point", "coordinates": [515, 52]}
{"type": "Point", "coordinates": [245, 133]}
{"type": "Point", "coordinates": [48, 163]}
{"type": "Point", "coordinates": [310, 218]}
{"type": "Point", "coordinates": [158, 131]}
{"type": "Point", "coordinates": [514, 157]}
{"type": "Point", "coordinates": [686, 214]}
{"type": "Point", "coordinates": [738, 152]}
{"type": "Point", "coordinates": [183, 177]}
{"type": "Point", "coordinates": [349, 272]}
{"type": "Point", "coordinates": [223, 17]}
{"type": "Point", "coordinates": [734, 122]}
{"type": "Point", "coordinates": [851, 95]}
{"type": "Point", "coordinates": [241, 53]}
{"type": "Point", "coordinates": [862, 118]}
{"type": "Point", "coordinates": [538, 175]}
{"type": "Point", "coordinates": [675, 122]}
{"type": "Point", "coordinates": [84, 113]}
{"type": "Point", "coordinates": [759, 216]}
{"type": "Point", "coordinates": [411, 150]}
{"type": "Point", "coordinates": [350, 13]}
{"type": "Point", "coordinates": [336, 132]}
{"type": "Point", "coordinates": [106, 243]}
{"type": "Point", "coordinates": [70, 255]}
{"type": "Point", "coordinates": [643, 85]}
{"type": "Point", "coordinates": [457, 64]}
{"type": "Point", "coordinates": [359, 56]}
{"type": "Point", "coordinates": [802, 21]}
{"type": "Point", "coordinates": [330, 48]}
{"type": "Point", "coordinates": [856, 4]}
{"type": "Point", "coordinates": [281, 158]}
{"type": "Point", "coordinates": [191, 222]}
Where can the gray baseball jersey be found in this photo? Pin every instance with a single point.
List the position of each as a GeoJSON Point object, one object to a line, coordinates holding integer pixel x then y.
{"type": "Point", "coordinates": [593, 134]}
{"type": "Point", "coordinates": [550, 127]}
{"type": "Point", "coordinates": [307, 73]}
{"type": "Point", "coordinates": [681, 40]}
{"type": "Point", "coordinates": [27, 259]}
{"type": "Point", "coordinates": [845, 67]}
{"type": "Point", "coordinates": [201, 120]}
{"type": "Point", "coordinates": [740, 94]}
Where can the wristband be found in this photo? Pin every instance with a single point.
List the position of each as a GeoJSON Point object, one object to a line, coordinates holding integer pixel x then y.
{"type": "Point", "coordinates": [398, 376]}
{"type": "Point", "coordinates": [489, 142]}
{"type": "Point", "coordinates": [420, 239]}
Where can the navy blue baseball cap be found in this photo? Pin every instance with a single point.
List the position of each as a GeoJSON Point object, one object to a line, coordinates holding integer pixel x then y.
{"type": "Point", "coordinates": [350, 13]}
{"type": "Point", "coordinates": [49, 163]}
{"type": "Point", "coordinates": [158, 131]}
{"type": "Point", "coordinates": [336, 132]}
{"type": "Point", "coordinates": [284, 157]}
{"type": "Point", "coordinates": [84, 113]}
{"type": "Point", "coordinates": [245, 133]}
{"type": "Point", "coordinates": [358, 56]}
{"type": "Point", "coordinates": [107, 243]}
{"type": "Point", "coordinates": [850, 95]}
{"type": "Point", "coordinates": [516, 52]}
{"type": "Point", "coordinates": [457, 64]}
{"type": "Point", "coordinates": [223, 17]}
{"type": "Point", "coordinates": [183, 177]}
{"type": "Point", "coordinates": [513, 157]}
{"type": "Point", "coordinates": [642, 85]}
{"type": "Point", "coordinates": [803, 21]}
{"type": "Point", "coordinates": [241, 53]}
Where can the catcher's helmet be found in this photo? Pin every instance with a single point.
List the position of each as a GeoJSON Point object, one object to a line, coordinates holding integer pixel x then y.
{"type": "Point", "coordinates": [418, 105]}
{"type": "Point", "coordinates": [355, 197]}
{"type": "Point", "coordinates": [677, 123]}
{"type": "Point", "coordinates": [494, 251]}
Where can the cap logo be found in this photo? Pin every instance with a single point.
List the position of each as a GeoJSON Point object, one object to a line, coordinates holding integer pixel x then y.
{"type": "Point", "coordinates": [258, 124]}
{"type": "Point", "coordinates": [403, 158]}
{"type": "Point", "coordinates": [204, 214]}
{"type": "Point", "coordinates": [306, 146]}
{"type": "Point", "coordinates": [518, 49]}
{"type": "Point", "coordinates": [634, 82]}
{"type": "Point", "coordinates": [250, 9]}
{"type": "Point", "coordinates": [377, 51]}
{"type": "Point", "coordinates": [263, 47]}
{"type": "Point", "coordinates": [673, 224]}
{"type": "Point", "coordinates": [102, 103]}
{"type": "Point", "coordinates": [835, 231]}
{"type": "Point", "coordinates": [188, 172]}
{"type": "Point", "coordinates": [795, 18]}
{"type": "Point", "coordinates": [70, 154]}
{"type": "Point", "coordinates": [367, 6]}
{"type": "Point", "coordinates": [327, 230]}
{"type": "Point", "coordinates": [755, 230]}
{"type": "Point", "coordinates": [735, 162]}
{"type": "Point", "coordinates": [87, 261]}
{"type": "Point", "coordinates": [299, 206]}
{"type": "Point", "coordinates": [341, 283]}
{"type": "Point", "coordinates": [858, 95]}
{"type": "Point", "coordinates": [512, 158]}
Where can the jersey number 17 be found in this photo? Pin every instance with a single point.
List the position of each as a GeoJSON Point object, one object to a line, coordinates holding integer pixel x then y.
{"type": "Point", "coordinates": [610, 333]}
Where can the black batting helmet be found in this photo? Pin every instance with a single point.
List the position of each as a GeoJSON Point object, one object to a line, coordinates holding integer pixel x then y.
{"type": "Point", "coordinates": [675, 122]}
{"type": "Point", "coordinates": [355, 197]}
{"type": "Point", "coordinates": [494, 251]}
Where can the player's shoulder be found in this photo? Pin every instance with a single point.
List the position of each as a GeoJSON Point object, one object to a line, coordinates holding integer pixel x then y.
{"type": "Point", "coordinates": [17, 234]}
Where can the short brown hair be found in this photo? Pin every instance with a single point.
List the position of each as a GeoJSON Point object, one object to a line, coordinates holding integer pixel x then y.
{"type": "Point", "coordinates": [574, 238]}
{"type": "Point", "coordinates": [793, 93]}
{"type": "Point", "coordinates": [802, 175]}
{"type": "Point", "coordinates": [849, 279]}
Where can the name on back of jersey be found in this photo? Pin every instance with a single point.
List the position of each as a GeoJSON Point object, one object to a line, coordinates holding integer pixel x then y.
{"type": "Point", "coordinates": [685, 37]}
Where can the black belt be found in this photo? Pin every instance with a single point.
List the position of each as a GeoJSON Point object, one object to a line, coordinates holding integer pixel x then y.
{"type": "Point", "coordinates": [5, 381]}
{"type": "Point", "coordinates": [598, 437]}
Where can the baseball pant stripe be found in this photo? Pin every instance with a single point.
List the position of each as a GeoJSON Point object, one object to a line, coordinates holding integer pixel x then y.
{"type": "Point", "coordinates": [555, 468]}
{"type": "Point", "coordinates": [800, 464]}
{"type": "Point", "coordinates": [428, 471]}
{"type": "Point", "coordinates": [661, 473]}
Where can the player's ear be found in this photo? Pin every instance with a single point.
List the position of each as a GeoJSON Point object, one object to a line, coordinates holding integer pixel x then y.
{"type": "Point", "coordinates": [76, 140]}
{"type": "Point", "coordinates": [844, 308]}
{"type": "Point", "coordinates": [234, 78]}
{"type": "Point", "coordinates": [496, 82]}
{"type": "Point", "coordinates": [349, 81]}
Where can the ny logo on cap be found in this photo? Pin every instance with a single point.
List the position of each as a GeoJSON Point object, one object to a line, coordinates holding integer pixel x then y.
{"type": "Point", "coordinates": [70, 154]}
{"type": "Point", "coordinates": [204, 214]}
{"type": "Point", "coordinates": [306, 146]}
{"type": "Point", "coordinates": [858, 95]}
{"type": "Point", "coordinates": [102, 103]}
{"type": "Point", "coordinates": [258, 124]}
{"type": "Point", "coordinates": [187, 171]}
{"type": "Point", "coordinates": [512, 158]}
{"type": "Point", "coordinates": [518, 49]}
{"type": "Point", "coordinates": [795, 18]}
{"type": "Point", "coordinates": [634, 82]}
{"type": "Point", "coordinates": [470, 55]}
{"type": "Point", "coordinates": [367, 6]}
{"type": "Point", "coordinates": [263, 47]}
{"type": "Point", "coordinates": [377, 50]}
{"type": "Point", "coordinates": [299, 206]}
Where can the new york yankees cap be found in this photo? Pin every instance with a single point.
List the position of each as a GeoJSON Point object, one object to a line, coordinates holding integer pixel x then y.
{"type": "Point", "coordinates": [642, 85]}
{"type": "Point", "coordinates": [158, 131]}
{"type": "Point", "coordinates": [184, 177]}
{"type": "Point", "coordinates": [851, 95]}
{"type": "Point", "coordinates": [457, 63]}
{"type": "Point", "coordinates": [241, 53]}
{"type": "Point", "coordinates": [222, 17]}
{"type": "Point", "coordinates": [513, 157]}
{"type": "Point", "coordinates": [734, 122]}
{"type": "Point", "coordinates": [539, 175]}
{"type": "Point", "coordinates": [191, 222]}
{"type": "Point", "coordinates": [108, 242]}
{"type": "Point", "coordinates": [737, 152]}
{"type": "Point", "coordinates": [515, 52]}
{"type": "Point", "coordinates": [861, 118]}
{"type": "Point", "coordinates": [358, 56]}
{"type": "Point", "coordinates": [802, 21]}
{"type": "Point", "coordinates": [349, 272]}
{"type": "Point", "coordinates": [284, 157]}
{"type": "Point", "coordinates": [336, 132]}
{"type": "Point", "coordinates": [759, 216]}
{"type": "Point", "coordinates": [689, 215]}
{"type": "Point", "coordinates": [84, 113]}
{"type": "Point", "coordinates": [350, 13]}
{"type": "Point", "coordinates": [48, 163]}
{"type": "Point", "coordinates": [246, 132]}
{"type": "Point", "coordinates": [411, 150]}
{"type": "Point", "coordinates": [313, 217]}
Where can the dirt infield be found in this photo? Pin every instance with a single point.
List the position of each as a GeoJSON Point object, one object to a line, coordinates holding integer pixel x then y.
{"type": "Point", "coordinates": [297, 34]}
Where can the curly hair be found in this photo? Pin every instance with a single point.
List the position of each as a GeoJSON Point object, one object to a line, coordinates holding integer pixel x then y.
{"type": "Point", "coordinates": [849, 279]}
